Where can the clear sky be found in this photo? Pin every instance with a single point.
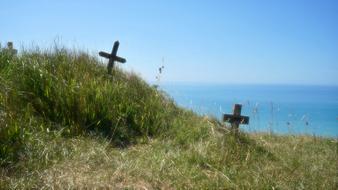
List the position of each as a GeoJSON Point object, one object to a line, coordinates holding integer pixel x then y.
{"type": "Point", "coordinates": [209, 41]}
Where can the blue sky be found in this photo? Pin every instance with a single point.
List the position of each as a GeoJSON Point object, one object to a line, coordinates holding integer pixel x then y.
{"type": "Point", "coordinates": [210, 41]}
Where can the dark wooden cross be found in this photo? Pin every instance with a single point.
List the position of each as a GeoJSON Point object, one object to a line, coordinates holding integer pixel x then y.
{"type": "Point", "coordinates": [236, 118]}
{"type": "Point", "coordinates": [112, 57]}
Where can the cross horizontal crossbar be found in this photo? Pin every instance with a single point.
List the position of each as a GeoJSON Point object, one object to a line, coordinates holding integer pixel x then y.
{"type": "Point", "coordinates": [110, 56]}
{"type": "Point", "coordinates": [236, 119]}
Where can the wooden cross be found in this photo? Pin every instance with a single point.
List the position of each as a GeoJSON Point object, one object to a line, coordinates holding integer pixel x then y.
{"type": "Point", "coordinates": [112, 57]}
{"type": "Point", "coordinates": [236, 118]}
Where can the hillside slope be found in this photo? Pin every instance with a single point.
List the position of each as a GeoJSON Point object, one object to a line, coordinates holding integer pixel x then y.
{"type": "Point", "coordinates": [65, 123]}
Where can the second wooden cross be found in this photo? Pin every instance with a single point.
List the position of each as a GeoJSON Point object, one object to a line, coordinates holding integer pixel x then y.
{"type": "Point", "coordinates": [112, 57]}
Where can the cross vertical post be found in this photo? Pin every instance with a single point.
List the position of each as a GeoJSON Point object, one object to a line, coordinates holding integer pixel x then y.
{"type": "Point", "coordinates": [112, 57]}
{"type": "Point", "coordinates": [237, 112]}
{"type": "Point", "coordinates": [113, 53]}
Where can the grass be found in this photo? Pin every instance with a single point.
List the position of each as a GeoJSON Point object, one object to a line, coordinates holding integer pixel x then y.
{"type": "Point", "coordinates": [66, 124]}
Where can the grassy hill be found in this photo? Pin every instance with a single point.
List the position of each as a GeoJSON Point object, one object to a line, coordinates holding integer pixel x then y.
{"type": "Point", "coordinates": [65, 123]}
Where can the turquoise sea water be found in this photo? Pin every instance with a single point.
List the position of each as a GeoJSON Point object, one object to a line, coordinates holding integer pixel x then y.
{"type": "Point", "coordinates": [274, 108]}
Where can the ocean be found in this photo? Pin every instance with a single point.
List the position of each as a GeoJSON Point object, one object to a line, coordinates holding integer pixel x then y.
{"type": "Point", "coordinates": [281, 109]}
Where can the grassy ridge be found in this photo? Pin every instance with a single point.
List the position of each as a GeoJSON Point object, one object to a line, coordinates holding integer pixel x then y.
{"type": "Point", "coordinates": [65, 123]}
{"type": "Point", "coordinates": [70, 90]}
